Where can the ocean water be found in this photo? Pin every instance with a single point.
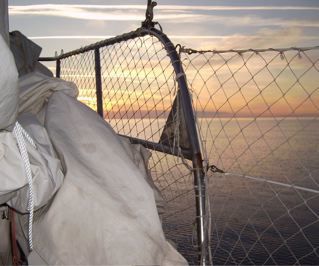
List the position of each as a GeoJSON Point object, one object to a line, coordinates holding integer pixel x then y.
{"type": "Point", "coordinates": [255, 222]}
{"type": "Point", "coordinates": [252, 221]}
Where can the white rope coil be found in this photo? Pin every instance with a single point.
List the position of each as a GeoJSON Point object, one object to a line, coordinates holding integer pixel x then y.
{"type": "Point", "coordinates": [22, 136]}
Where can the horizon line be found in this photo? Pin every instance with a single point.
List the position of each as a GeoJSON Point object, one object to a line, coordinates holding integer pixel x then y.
{"type": "Point", "coordinates": [211, 115]}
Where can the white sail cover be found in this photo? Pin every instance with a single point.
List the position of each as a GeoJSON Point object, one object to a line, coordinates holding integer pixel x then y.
{"type": "Point", "coordinates": [8, 86]}
{"type": "Point", "coordinates": [11, 168]}
{"type": "Point", "coordinates": [105, 210]}
{"type": "Point", "coordinates": [105, 205]}
{"type": "Point", "coordinates": [45, 166]}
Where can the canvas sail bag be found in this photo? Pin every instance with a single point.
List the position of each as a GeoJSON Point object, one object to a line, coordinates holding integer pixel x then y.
{"type": "Point", "coordinates": [105, 204]}
{"type": "Point", "coordinates": [46, 170]}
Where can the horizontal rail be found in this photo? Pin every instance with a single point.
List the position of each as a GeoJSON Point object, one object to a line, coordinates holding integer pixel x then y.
{"type": "Point", "coordinates": [47, 59]}
{"type": "Point", "coordinates": [124, 37]}
{"type": "Point", "coordinates": [160, 147]}
{"type": "Point", "coordinates": [240, 51]}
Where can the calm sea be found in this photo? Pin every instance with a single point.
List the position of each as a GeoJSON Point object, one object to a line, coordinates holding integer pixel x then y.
{"type": "Point", "coordinates": [253, 221]}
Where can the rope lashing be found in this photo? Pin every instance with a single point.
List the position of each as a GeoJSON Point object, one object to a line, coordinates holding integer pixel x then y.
{"type": "Point", "coordinates": [215, 169]}
{"type": "Point", "coordinates": [179, 75]}
{"type": "Point", "coordinates": [22, 136]}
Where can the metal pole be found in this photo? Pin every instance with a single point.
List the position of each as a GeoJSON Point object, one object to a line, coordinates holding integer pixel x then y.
{"type": "Point", "coordinates": [159, 147]}
{"type": "Point", "coordinates": [199, 184]}
{"type": "Point", "coordinates": [98, 82]}
{"type": "Point", "coordinates": [58, 68]}
{"type": "Point", "coordinates": [199, 177]}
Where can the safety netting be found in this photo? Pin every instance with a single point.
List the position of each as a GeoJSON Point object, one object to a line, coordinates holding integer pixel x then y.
{"type": "Point", "coordinates": [257, 114]}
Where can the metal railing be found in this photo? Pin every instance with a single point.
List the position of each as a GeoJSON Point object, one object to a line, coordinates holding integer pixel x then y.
{"type": "Point", "coordinates": [132, 81]}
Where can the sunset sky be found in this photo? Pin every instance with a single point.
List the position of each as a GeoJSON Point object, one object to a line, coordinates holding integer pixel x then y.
{"type": "Point", "coordinates": [67, 25]}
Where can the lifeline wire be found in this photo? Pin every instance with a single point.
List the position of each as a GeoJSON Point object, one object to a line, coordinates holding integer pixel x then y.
{"type": "Point", "coordinates": [215, 169]}
{"type": "Point", "coordinates": [21, 136]}
{"type": "Point", "coordinates": [262, 179]}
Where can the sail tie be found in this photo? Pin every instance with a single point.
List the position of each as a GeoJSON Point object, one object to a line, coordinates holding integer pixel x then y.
{"type": "Point", "coordinates": [22, 136]}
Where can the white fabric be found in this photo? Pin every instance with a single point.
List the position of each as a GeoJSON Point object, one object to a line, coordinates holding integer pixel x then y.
{"type": "Point", "coordinates": [105, 211]}
{"type": "Point", "coordinates": [22, 164]}
{"type": "Point", "coordinates": [140, 156]}
{"type": "Point", "coordinates": [8, 86]}
{"type": "Point", "coordinates": [35, 88]}
{"type": "Point", "coordinates": [46, 168]}
{"type": "Point", "coordinates": [11, 168]}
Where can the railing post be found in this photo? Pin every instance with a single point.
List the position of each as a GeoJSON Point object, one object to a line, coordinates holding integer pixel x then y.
{"type": "Point", "coordinates": [200, 188]}
{"type": "Point", "coordinates": [98, 81]}
{"type": "Point", "coordinates": [58, 68]}
{"type": "Point", "coordinates": [199, 176]}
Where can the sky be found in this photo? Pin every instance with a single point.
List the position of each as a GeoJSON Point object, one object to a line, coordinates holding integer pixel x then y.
{"type": "Point", "coordinates": [202, 24]}
{"type": "Point", "coordinates": [67, 24]}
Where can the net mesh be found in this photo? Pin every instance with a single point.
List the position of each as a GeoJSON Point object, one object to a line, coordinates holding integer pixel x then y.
{"type": "Point", "coordinates": [139, 87]}
{"type": "Point", "coordinates": [81, 70]}
{"type": "Point", "coordinates": [257, 114]}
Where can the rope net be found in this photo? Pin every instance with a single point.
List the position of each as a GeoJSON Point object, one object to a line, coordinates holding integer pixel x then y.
{"type": "Point", "coordinates": [139, 88]}
{"type": "Point", "coordinates": [257, 114]}
{"type": "Point", "coordinates": [81, 70]}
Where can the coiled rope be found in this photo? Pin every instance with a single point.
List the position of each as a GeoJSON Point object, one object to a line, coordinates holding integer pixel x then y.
{"type": "Point", "coordinates": [22, 136]}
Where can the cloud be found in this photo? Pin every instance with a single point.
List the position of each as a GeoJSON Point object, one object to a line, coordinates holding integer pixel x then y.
{"type": "Point", "coordinates": [173, 13]}
{"type": "Point", "coordinates": [101, 37]}
{"type": "Point", "coordinates": [264, 38]}
{"type": "Point", "coordinates": [262, 35]}
{"type": "Point", "coordinates": [163, 7]}
{"type": "Point", "coordinates": [89, 13]}
{"type": "Point", "coordinates": [67, 37]}
{"type": "Point", "coordinates": [237, 8]}
{"type": "Point", "coordinates": [261, 39]}
{"type": "Point", "coordinates": [259, 21]}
